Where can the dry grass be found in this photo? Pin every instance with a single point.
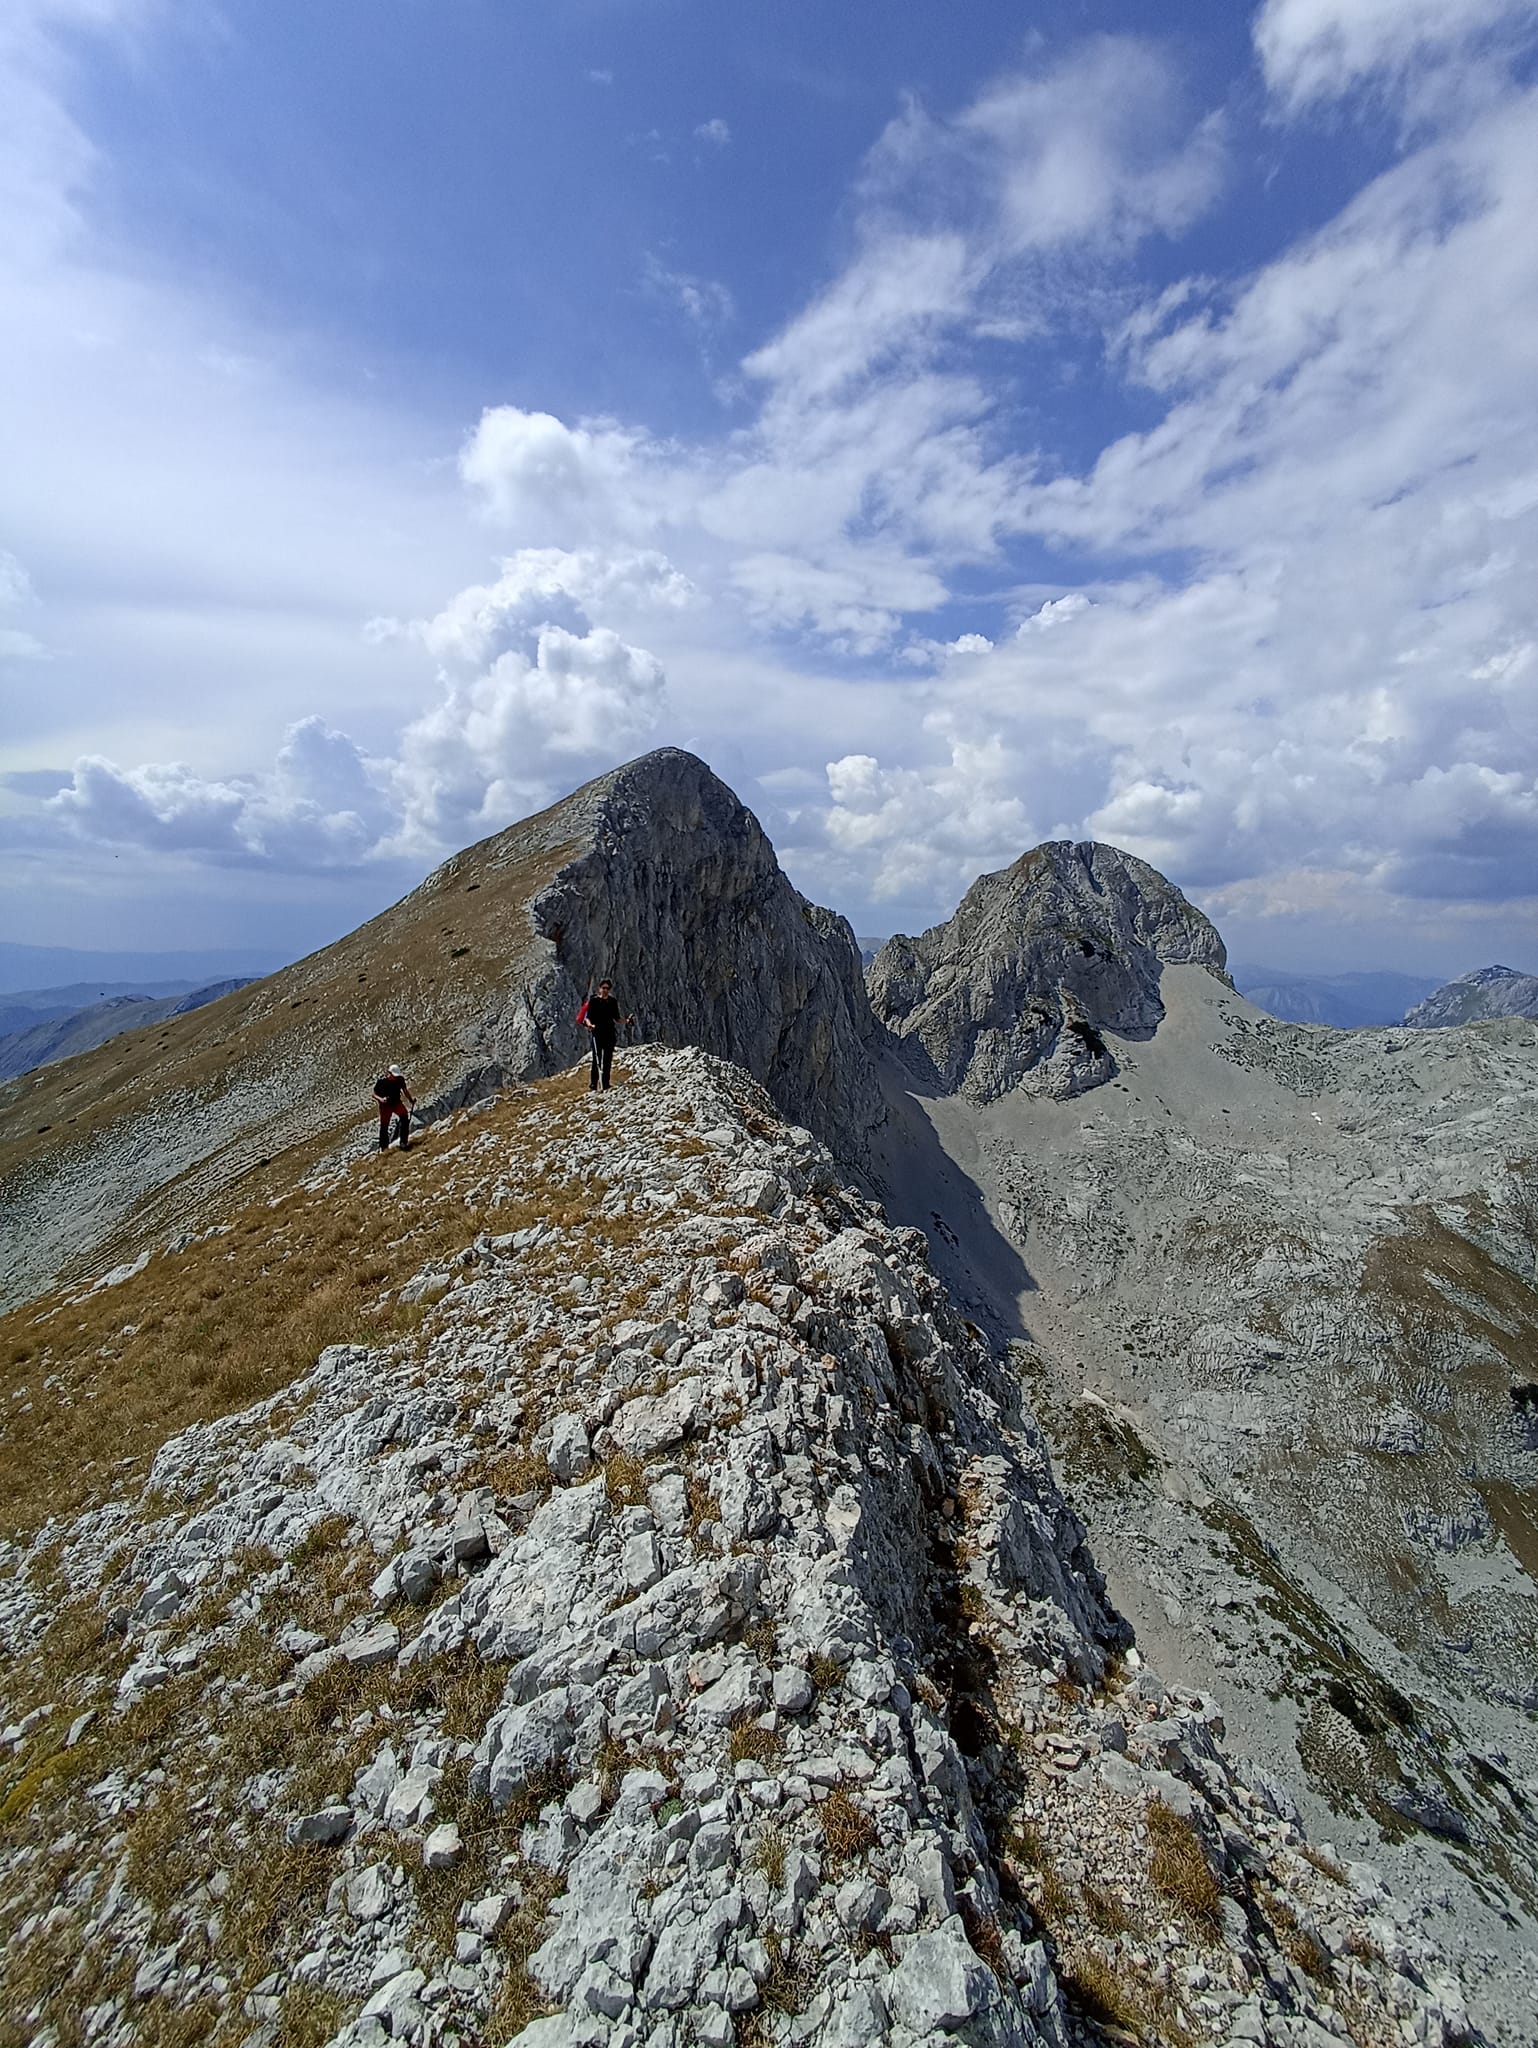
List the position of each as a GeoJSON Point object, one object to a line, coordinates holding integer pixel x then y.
{"type": "Point", "coordinates": [1294, 1940]}
{"type": "Point", "coordinates": [1178, 1866]}
{"type": "Point", "coordinates": [769, 1853]}
{"type": "Point", "coordinates": [310, 2016]}
{"type": "Point", "coordinates": [624, 1480]}
{"type": "Point", "coordinates": [748, 1743]}
{"type": "Point", "coordinates": [294, 1056]}
{"type": "Point", "coordinates": [792, 1976]}
{"type": "Point", "coordinates": [825, 1672]}
{"type": "Point", "coordinates": [763, 1639]}
{"type": "Point", "coordinates": [1115, 1993]}
{"type": "Point", "coordinates": [987, 1939]}
{"type": "Point", "coordinates": [1325, 1865]}
{"type": "Point", "coordinates": [458, 1687]}
{"type": "Point", "coordinates": [704, 1508]}
{"type": "Point", "coordinates": [519, 2000]}
{"type": "Point", "coordinates": [1058, 1903]}
{"type": "Point", "coordinates": [1107, 1911]}
{"type": "Point", "coordinates": [848, 1831]}
{"type": "Point", "coordinates": [210, 1329]}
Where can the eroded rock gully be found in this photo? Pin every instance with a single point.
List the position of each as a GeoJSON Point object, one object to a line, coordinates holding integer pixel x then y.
{"type": "Point", "coordinates": [681, 1639]}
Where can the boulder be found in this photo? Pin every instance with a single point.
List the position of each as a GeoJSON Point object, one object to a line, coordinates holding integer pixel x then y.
{"type": "Point", "coordinates": [940, 1982]}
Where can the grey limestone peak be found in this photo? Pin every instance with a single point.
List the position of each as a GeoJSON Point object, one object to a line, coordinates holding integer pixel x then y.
{"type": "Point", "coordinates": [676, 896]}
{"type": "Point", "coordinates": [1485, 992]}
{"type": "Point", "coordinates": [1038, 961]}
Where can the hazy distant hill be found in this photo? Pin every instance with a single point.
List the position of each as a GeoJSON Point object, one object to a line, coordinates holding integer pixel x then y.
{"type": "Point", "coordinates": [1487, 992]}
{"type": "Point", "coordinates": [46, 968]}
{"type": "Point", "coordinates": [82, 1029]}
{"type": "Point", "coordinates": [1348, 1001]}
{"type": "Point", "coordinates": [21, 1008]}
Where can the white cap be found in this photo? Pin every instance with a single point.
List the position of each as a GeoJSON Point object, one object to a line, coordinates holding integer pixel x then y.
{"type": "Point", "coordinates": [396, 1070]}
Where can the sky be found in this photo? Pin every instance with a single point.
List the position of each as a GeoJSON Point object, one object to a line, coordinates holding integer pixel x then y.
{"type": "Point", "coordinates": [964, 424]}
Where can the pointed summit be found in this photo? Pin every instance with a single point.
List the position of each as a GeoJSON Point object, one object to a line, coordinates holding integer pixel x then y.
{"type": "Point", "coordinates": [1039, 959]}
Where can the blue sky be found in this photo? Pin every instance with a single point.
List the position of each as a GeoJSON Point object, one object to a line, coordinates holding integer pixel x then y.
{"type": "Point", "coordinates": [964, 425]}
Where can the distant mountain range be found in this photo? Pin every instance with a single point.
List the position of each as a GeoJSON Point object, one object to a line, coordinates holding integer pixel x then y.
{"type": "Point", "coordinates": [42, 969]}
{"type": "Point", "coordinates": [1348, 1001]}
{"type": "Point", "coordinates": [55, 1035]}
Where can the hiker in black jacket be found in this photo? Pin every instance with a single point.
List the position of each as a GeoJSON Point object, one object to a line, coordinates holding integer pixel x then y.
{"type": "Point", "coordinates": [603, 1020]}
{"type": "Point", "coordinates": [395, 1102]}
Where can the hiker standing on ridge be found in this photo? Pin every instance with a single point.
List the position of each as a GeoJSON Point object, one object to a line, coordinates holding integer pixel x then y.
{"type": "Point", "coordinates": [602, 1017]}
{"type": "Point", "coordinates": [396, 1102]}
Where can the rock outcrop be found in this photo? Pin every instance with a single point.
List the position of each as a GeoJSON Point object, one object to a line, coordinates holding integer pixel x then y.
{"type": "Point", "coordinates": [678, 898]}
{"type": "Point", "coordinates": [1486, 992]}
{"type": "Point", "coordinates": [1040, 960]}
{"type": "Point", "coordinates": [678, 1636]}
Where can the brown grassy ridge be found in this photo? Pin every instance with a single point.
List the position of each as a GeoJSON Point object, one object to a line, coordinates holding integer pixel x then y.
{"type": "Point", "coordinates": [232, 1320]}
{"type": "Point", "coordinates": [292, 1057]}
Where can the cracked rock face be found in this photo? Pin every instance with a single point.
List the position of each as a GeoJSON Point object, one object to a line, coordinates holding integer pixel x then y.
{"type": "Point", "coordinates": [1039, 960]}
{"type": "Point", "coordinates": [678, 899]}
{"type": "Point", "coordinates": [765, 1689]}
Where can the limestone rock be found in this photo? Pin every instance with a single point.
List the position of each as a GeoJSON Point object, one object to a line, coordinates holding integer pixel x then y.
{"type": "Point", "coordinates": [1037, 962]}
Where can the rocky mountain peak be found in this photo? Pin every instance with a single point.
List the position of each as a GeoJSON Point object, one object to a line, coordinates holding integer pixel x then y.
{"type": "Point", "coordinates": [1485, 992]}
{"type": "Point", "coordinates": [655, 875]}
{"type": "Point", "coordinates": [677, 897]}
{"type": "Point", "coordinates": [1040, 958]}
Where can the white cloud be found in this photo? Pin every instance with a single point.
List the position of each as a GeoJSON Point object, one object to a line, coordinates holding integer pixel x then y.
{"type": "Point", "coordinates": [705, 303]}
{"type": "Point", "coordinates": [1322, 49]}
{"type": "Point", "coordinates": [1321, 681]}
{"type": "Point", "coordinates": [1054, 611]}
{"type": "Point", "coordinates": [539, 587]}
{"type": "Point", "coordinates": [913, 832]}
{"type": "Point", "coordinates": [534, 704]}
{"type": "Point", "coordinates": [1100, 149]}
{"type": "Point", "coordinates": [16, 591]}
{"type": "Point", "coordinates": [853, 601]}
{"type": "Point", "coordinates": [714, 131]}
{"type": "Point", "coordinates": [499, 746]}
{"type": "Point", "coordinates": [538, 476]}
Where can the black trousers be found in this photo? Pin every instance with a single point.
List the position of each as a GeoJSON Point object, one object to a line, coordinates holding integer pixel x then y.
{"type": "Point", "coordinates": [603, 1060]}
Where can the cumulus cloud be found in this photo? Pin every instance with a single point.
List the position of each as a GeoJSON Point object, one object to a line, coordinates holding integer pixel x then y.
{"type": "Point", "coordinates": [497, 747]}
{"type": "Point", "coordinates": [1338, 681]}
{"type": "Point", "coordinates": [541, 586]}
{"type": "Point", "coordinates": [537, 475]}
{"type": "Point", "coordinates": [526, 705]}
{"type": "Point", "coordinates": [715, 132]}
{"type": "Point", "coordinates": [1322, 49]}
{"type": "Point", "coordinates": [909, 829]}
{"type": "Point", "coordinates": [1279, 640]}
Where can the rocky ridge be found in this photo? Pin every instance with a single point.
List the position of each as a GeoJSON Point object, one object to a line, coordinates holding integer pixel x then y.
{"type": "Point", "coordinates": [654, 874]}
{"type": "Point", "coordinates": [1040, 960]}
{"type": "Point", "coordinates": [678, 1636]}
{"type": "Point", "coordinates": [1487, 992]}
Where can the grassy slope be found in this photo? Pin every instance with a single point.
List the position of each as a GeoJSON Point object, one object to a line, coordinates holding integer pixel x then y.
{"type": "Point", "coordinates": [150, 1131]}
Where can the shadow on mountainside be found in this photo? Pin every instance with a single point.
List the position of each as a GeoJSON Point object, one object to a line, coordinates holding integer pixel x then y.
{"type": "Point", "coordinates": [925, 1185]}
